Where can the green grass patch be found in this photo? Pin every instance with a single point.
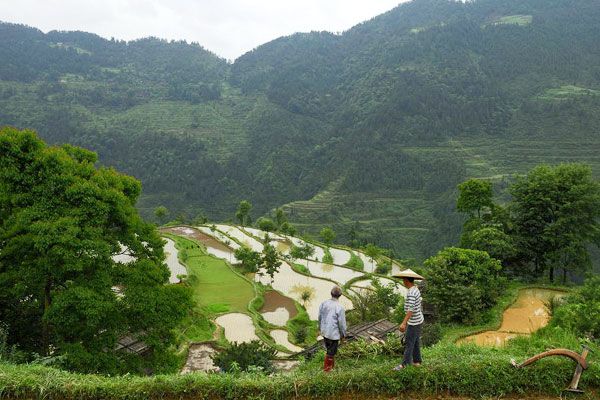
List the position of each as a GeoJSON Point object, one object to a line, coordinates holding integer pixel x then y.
{"type": "Point", "coordinates": [327, 257]}
{"type": "Point", "coordinates": [567, 92]}
{"type": "Point", "coordinates": [301, 269]}
{"type": "Point", "coordinates": [355, 262]}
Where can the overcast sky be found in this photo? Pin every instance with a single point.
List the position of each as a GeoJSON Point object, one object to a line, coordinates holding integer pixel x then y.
{"type": "Point", "coordinates": [228, 28]}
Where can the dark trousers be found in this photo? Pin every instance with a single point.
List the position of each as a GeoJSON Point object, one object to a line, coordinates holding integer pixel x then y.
{"type": "Point", "coordinates": [331, 346]}
{"type": "Point", "coordinates": [412, 344]}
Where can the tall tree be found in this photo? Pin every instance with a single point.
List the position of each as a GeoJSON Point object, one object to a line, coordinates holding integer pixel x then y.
{"type": "Point", "coordinates": [243, 213]}
{"type": "Point", "coordinates": [270, 262]}
{"type": "Point", "coordinates": [556, 213]}
{"type": "Point", "coordinates": [475, 195]}
{"type": "Point", "coordinates": [328, 235]}
{"type": "Point", "coordinates": [62, 222]}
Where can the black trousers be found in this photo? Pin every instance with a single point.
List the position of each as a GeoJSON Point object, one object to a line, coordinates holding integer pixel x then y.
{"type": "Point", "coordinates": [412, 345]}
{"type": "Point", "coordinates": [331, 346]}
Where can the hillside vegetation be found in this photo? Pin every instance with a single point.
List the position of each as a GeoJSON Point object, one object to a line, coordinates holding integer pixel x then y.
{"type": "Point", "coordinates": [367, 131]}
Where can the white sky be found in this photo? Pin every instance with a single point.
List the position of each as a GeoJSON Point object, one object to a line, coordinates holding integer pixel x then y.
{"type": "Point", "coordinates": [228, 28]}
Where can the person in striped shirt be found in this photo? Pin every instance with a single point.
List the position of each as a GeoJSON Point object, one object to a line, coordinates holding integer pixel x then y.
{"type": "Point", "coordinates": [413, 321]}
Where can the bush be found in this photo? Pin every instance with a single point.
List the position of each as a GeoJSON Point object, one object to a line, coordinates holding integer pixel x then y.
{"type": "Point", "coordinates": [463, 283]}
{"type": "Point", "coordinates": [432, 333]}
{"type": "Point", "coordinates": [251, 356]}
{"type": "Point", "coordinates": [355, 262]}
{"type": "Point", "coordinates": [371, 305]}
{"type": "Point", "coordinates": [384, 268]}
{"type": "Point", "coordinates": [580, 311]}
{"type": "Point", "coordinates": [327, 257]}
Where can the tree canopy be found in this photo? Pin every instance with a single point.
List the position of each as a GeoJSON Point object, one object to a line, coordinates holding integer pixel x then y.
{"type": "Point", "coordinates": [64, 289]}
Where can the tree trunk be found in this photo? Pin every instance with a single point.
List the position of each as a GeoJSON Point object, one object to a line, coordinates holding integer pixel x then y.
{"type": "Point", "coordinates": [45, 326]}
{"type": "Point", "coordinates": [551, 276]}
{"type": "Point", "coordinates": [564, 276]}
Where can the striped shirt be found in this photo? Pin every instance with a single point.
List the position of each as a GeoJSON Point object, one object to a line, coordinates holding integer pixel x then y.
{"type": "Point", "coordinates": [413, 303]}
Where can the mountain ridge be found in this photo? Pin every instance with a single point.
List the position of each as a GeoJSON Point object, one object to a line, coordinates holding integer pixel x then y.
{"type": "Point", "coordinates": [376, 125]}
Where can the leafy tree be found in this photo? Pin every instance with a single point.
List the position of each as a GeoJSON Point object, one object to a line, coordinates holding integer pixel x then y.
{"type": "Point", "coordinates": [384, 268]}
{"type": "Point", "coordinates": [245, 356]}
{"type": "Point", "coordinates": [250, 259]}
{"type": "Point", "coordinates": [270, 262]}
{"type": "Point", "coordinates": [302, 252]}
{"type": "Point", "coordinates": [266, 224]}
{"type": "Point", "coordinates": [373, 251]}
{"type": "Point", "coordinates": [372, 305]}
{"type": "Point", "coordinates": [556, 212]}
{"type": "Point", "coordinates": [463, 283]}
{"type": "Point", "coordinates": [474, 196]}
{"type": "Point", "coordinates": [288, 229]}
{"type": "Point", "coordinates": [161, 213]}
{"type": "Point", "coordinates": [328, 235]}
{"type": "Point", "coordinates": [492, 240]}
{"type": "Point", "coordinates": [61, 223]}
{"type": "Point", "coordinates": [243, 213]}
{"type": "Point", "coordinates": [305, 296]}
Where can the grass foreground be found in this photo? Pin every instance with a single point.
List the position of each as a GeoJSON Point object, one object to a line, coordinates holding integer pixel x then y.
{"type": "Point", "coordinates": [448, 370]}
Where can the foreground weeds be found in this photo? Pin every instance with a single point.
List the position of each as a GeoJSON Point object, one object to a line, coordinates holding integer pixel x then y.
{"type": "Point", "coordinates": [466, 371]}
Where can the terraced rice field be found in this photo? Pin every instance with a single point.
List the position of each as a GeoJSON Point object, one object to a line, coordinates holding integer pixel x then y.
{"type": "Point", "coordinates": [340, 257]}
{"type": "Point", "coordinates": [173, 262]}
{"type": "Point", "coordinates": [212, 245]}
{"type": "Point", "coordinates": [281, 338]}
{"type": "Point", "coordinates": [319, 252]}
{"type": "Point", "coordinates": [278, 309]}
{"type": "Point", "coordinates": [241, 237]}
{"type": "Point", "coordinates": [292, 284]}
{"type": "Point", "coordinates": [335, 273]}
{"type": "Point", "coordinates": [237, 327]}
{"type": "Point", "coordinates": [219, 236]}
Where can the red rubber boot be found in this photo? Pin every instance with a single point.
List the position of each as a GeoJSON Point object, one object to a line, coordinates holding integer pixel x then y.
{"type": "Point", "coordinates": [328, 364]}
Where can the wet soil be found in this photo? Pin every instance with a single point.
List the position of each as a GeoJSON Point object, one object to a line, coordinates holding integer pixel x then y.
{"type": "Point", "coordinates": [528, 314]}
{"type": "Point", "coordinates": [203, 238]}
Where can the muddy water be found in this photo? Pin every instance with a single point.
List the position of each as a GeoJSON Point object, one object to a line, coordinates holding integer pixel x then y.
{"type": "Point", "coordinates": [278, 309]}
{"type": "Point", "coordinates": [213, 246]}
{"type": "Point", "coordinates": [528, 314]}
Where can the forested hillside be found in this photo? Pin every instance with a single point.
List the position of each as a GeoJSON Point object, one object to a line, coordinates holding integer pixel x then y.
{"type": "Point", "coordinates": [369, 131]}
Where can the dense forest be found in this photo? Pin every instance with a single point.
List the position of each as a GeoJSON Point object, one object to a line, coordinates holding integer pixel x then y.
{"type": "Point", "coordinates": [369, 131]}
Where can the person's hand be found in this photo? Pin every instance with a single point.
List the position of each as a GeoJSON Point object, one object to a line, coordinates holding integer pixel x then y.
{"type": "Point", "coordinates": [403, 327]}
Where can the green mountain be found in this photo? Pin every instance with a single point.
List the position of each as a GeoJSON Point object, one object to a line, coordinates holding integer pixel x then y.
{"type": "Point", "coordinates": [369, 131]}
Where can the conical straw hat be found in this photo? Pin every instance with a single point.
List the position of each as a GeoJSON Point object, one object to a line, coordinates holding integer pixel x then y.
{"type": "Point", "coordinates": [408, 273]}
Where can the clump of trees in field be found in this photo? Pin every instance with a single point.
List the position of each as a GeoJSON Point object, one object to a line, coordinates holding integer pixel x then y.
{"type": "Point", "coordinates": [547, 226]}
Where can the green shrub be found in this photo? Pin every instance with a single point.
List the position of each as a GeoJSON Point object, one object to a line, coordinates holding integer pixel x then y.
{"type": "Point", "coordinates": [327, 257]}
{"type": "Point", "coordinates": [581, 310]}
{"type": "Point", "coordinates": [371, 305]}
{"type": "Point", "coordinates": [245, 357]}
{"type": "Point", "coordinates": [384, 268]}
{"type": "Point", "coordinates": [432, 333]}
{"type": "Point", "coordinates": [463, 283]}
{"type": "Point", "coordinates": [355, 262]}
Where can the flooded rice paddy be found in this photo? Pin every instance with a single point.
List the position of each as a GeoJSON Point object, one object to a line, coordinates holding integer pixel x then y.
{"type": "Point", "coordinates": [278, 309]}
{"type": "Point", "coordinates": [528, 314]}
{"type": "Point", "coordinates": [281, 338]}
{"type": "Point", "coordinates": [213, 246]}
{"type": "Point", "coordinates": [238, 327]}
{"type": "Point", "coordinates": [337, 274]}
{"type": "Point", "coordinates": [173, 262]}
{"type": "Point", "coordinates": [292, 284]}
